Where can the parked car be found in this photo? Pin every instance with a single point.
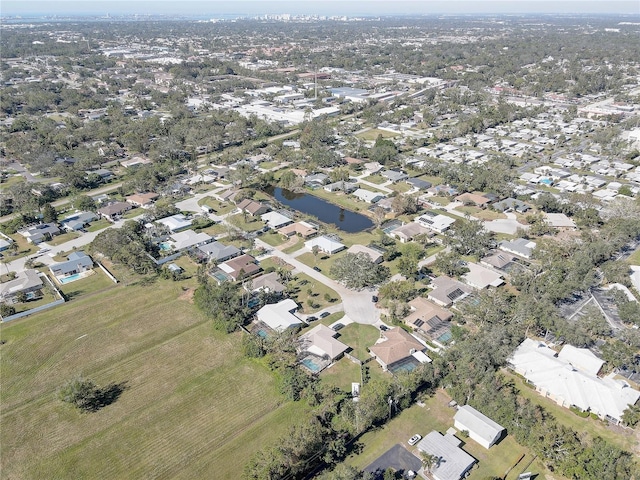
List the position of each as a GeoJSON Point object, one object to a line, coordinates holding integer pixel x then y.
{"type": "Point", "coordinates": [374, 298]}
{"type": "Point", "coordinates": [311, 318]}
{"type": "Point", "coordinates": [317, 269]}
{"type": "Point", "coordinates": [337, 326]}
{"type": "Point", "coordinates": [384, 328]}
{"type": "Point", "coordinates": [324, 314]}
{"type": "Point", "coordinates": [415, 439]}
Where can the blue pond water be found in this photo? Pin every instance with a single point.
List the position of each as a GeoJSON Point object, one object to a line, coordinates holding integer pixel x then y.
{"type": "Point", "coordinates": [324, 211]}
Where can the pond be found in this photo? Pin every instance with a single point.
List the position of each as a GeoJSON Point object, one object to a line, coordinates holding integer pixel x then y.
{"type": "Point", "coordinates": [324, 211]}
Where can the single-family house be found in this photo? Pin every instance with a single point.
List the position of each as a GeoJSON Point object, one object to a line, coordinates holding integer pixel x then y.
{"type": "Point", "coordinates": [5, 243]}
{"type": "Point", "coordinates": [188, 239]}
{"type": "Point", "coordinates": [325, 244]}
{"type": "Point", "coordinates": [409, 231]}
{"type": "Point", "coordinates": [40, 233]}
{"type": "Point", "coordinates": [176, 222]}
{"type": "Point", "coordinates": [77, 221]}
{"type": "Point", "coordinates": [444, 190]}
{"type": "Point", "coordinates": [394, 175]}
{"type": "Point", "coordinates": [453, 463]}
{"type": "Point", "coordinates": [473, 198]}
{"type": "Point", "coordinates": [520, 247]}
{"type": "Point", "coordinates": [316, 180]}
{"type": "Point", "coordinates": [77, 262]}
{"type": "Point", "coordinates": [430, 320]}
{"type": "Point", "coordinates": [219, 252]}
{"type": "Point", "coordinates": [321, 341]}
{"type": "Point", "coordinates": [303, 229]}
{"type": "Point", "coordinates": [115, 210]}
{"type": "Point", "coordinates": [142, 199]}
{"type": "Point", "coordinates": [480, 427]}
{"type": "Point", "coordinates": [275, 220]}
{"type": "Point", "coordinates": [269, 282]}
{"type": "Point", "coordinates": [279, 316]}
{"type": "Point", "coordinates": [418, 183]}
{"type": "Point", "coordinates": [498, 260]}
{"type": "Point", "coordinates": [560, 220]}
{"type": "Point", "coordinates": [509, 204]}
{"type": "Point", "coordinates": [240, 267]}
{"type": "Point", "coordinates": [367, 195]}
{"type": "Point", "coordinates": [446, 291]}
{"type": "Point", "coordinates": [252, 207]}
{"type": "Point", "coordinates": [570, 379]}
{"type": "Point", "coordinates": [341, 186]}
{"type": "Point", "coordinates": [481, 277]}
{"type": "Point", "coordinates": [435, 221]}
{"type": "Point", "coordinates": [398, 350]}
{"type": "Point", "coordinates": [374, 255]}
{"type": "Point", "coordinates": [27, 281]}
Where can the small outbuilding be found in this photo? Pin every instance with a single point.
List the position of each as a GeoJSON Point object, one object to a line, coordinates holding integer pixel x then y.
{"type": "Point", "coordinates": [480, 427]}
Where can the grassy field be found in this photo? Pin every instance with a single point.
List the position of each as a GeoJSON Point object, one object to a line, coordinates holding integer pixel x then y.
{"type": "Point", "coordinates": [436, 415]}
{"type": "Point", "coordinates": [63, 238]}
{"type": "Point", "coordinates": [373, 134]}
{"type": "Point", "coordinates": [192, 407]}
{"type": "Point", "coordinates": [634, 259]}
{"type": "Point", "coordinates": [303, 284]}
{"type": "Point", "coordinates": [482, 214]}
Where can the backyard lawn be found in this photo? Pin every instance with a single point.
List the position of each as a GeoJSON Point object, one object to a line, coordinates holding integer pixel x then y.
{"type": "Point", "coordinates": [359, 337]}
{"type": "Point", "coordinates": [192, 406]}
{"type": "Point", "coordinates": [437, 415]}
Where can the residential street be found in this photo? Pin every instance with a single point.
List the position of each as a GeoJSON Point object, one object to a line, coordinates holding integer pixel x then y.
{"type": "Point", "coordinates": [357, 306]}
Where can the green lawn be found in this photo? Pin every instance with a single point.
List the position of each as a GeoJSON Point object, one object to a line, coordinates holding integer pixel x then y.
{"type": "Point", "coordinates": [47, 297]}
{"type": "Point", "coordinates": [24, 248]}
{"type": "Point", "coordinates": [219, 208]}
{"type": "Point", "coordinates": [250, 225]}
{"type": "Point", "coordinates": [341, 199]}
{"type": "Point", "coordinates": [273, 238]}
{"type": "Point", "coordinates": [436, 415]}
{"type": "Point", "coordinates": [98, 225]}
{"type": "Point", "coordinates": [134, 213]}
{"type": "Point", "coordinates": [63, 238]}
{"type": "Point", "coordinates": [192, 406]}
{"type": "Point", "coordinates": [304, 284]}
{"type": "Point", "coordinates": [359, 338]}
{"type": "Point", "coordinates": [400, 187]}
{"type": "Point", "coordinates": [375, 178]}
{"type": "Point", "coordinates": [373, 134]}
{"type": "Point", "coordinates": [97, 282]}
{"type": "Point", "coordinates": [267, 165]}
{"type": "Point", "coordinates": [634, 259]}
{"type": "Point", "coordinates": [482, 214]}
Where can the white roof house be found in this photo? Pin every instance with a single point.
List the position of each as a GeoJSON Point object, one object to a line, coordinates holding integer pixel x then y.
{"type": "Point", "coordinates": [175, 222]}
{"type": "Point", "coordinates": [480, 427]}
{"type": "Point", "coordinates": [581, 358]}
{"type": "Point", "coordinates": [320, 341]}
{"type": "Point", "coordinates": [374, 255]}
{"type": "Point", "coordinates": [569, 384]}
{"type": "Point", "coordinates": [279, 316]}
{"type": "Point", "coordinates": [188, 239]}
{"type": "Point", "coordinates": [481, 277]}
{"type": "Point", "coordinates": [559, 220]}
{"type": "Point", "coordinates": [325, 244]}
{"type": "Point", "coordinates": [275, 219]}
{"type": "Point", "coordinates": [453, 462]}
{"type": "Point", "coordinates": [367, 195]}
{"type": "Point", "coordinates": [635, 277]}
{"type": "Point", "coordinates": [435, 221]}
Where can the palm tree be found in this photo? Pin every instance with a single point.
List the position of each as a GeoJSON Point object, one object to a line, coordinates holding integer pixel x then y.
{"type": "Point", "coordinates": [429, 462]}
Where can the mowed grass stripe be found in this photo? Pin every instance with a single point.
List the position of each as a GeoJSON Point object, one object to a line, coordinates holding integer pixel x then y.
{"type": "Point", "coordinates": [110, 327]}
{"type": "Point", "coordinates": [191, 399]}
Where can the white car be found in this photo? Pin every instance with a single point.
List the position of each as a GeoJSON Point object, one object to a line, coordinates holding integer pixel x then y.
{"type": "Point", "coordinates": [415, 439]}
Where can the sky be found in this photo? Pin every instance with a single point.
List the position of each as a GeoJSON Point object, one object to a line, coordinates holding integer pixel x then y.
{"type": "Point", "coordinates": [325, 7]}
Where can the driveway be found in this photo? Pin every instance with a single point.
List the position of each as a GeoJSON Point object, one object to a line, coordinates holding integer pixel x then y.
{"type": "Point", "coordinates": [191, 203]}
{"type": "Point", "coordinates": [507, 225]}
{"type": "Point", "coordinates": [357, 305]}
{"type": "Point", "coordinates": [398, 458]}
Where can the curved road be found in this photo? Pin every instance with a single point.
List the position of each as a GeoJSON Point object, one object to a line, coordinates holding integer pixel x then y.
{"type": "Point", "coordinates": [357, 305]}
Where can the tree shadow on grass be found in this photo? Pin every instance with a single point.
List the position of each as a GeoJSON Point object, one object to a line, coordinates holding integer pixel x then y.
{"type": "Point", "coordinates": [106, 395]}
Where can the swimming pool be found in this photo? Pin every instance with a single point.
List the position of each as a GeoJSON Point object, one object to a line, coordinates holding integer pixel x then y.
{"type": "Point", "coordinates": [312, 364]}
{"type": "Point", "coordinates": [70, 278]}
{"type": "Point", "coordinates": [165, 246]}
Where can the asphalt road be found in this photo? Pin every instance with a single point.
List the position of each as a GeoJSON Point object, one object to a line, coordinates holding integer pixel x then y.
{"type": "Point", "coordinates": [357, 305]}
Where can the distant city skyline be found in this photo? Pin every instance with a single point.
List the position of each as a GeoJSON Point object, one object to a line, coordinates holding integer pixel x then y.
{"type": "Point", "coordinates": [205, 8]}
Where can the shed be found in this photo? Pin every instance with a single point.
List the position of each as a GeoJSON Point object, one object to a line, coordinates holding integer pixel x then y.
{"type": "Point", "coordinates": [480, 427]}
